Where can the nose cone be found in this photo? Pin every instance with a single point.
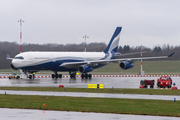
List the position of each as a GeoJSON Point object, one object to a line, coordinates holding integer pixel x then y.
{"type": "Point", "coordinates": [13, 65]}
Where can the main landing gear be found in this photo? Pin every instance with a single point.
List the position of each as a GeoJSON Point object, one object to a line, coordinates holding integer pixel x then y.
{"type": "Point", "coordinates": [56, 75]}
{"type": "Point", "coordinates": [86, 76]}
{"type": "Point", "coordinates": [72, 74]}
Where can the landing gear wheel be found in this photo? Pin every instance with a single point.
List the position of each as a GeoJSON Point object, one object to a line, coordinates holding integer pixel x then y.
{"type": "Point", "coordinates": [56, 76]}
{"type": "Point", "coordinates": [52, 76]}
{"type": "Point", "coordinates": [82, 76]}
{"type": "Point", "coordinates": [86, 76]}
{"type": "Point", "coordinates": [30, 76]}
{"type": "Point", "coordinates": [90, 76]}
{"type": "Point", "coordinates": [71, 75]}
{"type": "Point", "coordinates": [60, 75]}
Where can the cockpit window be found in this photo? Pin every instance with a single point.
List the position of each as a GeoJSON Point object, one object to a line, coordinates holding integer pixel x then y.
{"type": "Point", "coordinates": [19, 57]}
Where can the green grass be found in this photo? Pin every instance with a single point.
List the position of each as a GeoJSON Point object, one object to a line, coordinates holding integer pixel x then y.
{"type": "Point", "coordinates": [100, 105]}
{"type": "Point", "coordinates": [106, 90]}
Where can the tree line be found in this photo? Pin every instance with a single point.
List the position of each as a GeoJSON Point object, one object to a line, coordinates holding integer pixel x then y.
{"type": "Point", "coordinates": [13, 48]}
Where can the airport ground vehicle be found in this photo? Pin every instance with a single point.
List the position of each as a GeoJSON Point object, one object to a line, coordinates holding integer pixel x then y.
{"type": "Point", "coordinates": [14, 75]}
{"type": "Point", "coordinates": [145, 83]}
{"type": "Point", "coordinates": [164, 81]}
{"type": "Point", "coordinates": [17, 75]}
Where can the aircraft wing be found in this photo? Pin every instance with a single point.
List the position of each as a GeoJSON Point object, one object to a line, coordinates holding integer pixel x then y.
{"type": "Point", "coordinates": [92, 63]}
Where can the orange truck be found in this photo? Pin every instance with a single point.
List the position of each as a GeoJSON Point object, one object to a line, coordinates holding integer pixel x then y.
{"type": "Point", "coordinates": [164, 81]}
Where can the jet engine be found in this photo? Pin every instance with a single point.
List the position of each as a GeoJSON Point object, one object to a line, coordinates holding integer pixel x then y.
{"type": "Point", "coordinates": [126, 65]}
{"type": "Point", "coordinates": [85, 69]}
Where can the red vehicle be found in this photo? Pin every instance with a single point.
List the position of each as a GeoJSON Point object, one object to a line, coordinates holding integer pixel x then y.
{"type": "Point", "coordinates": [164, 81]}
{"type": "Point", "coordinates": [145, 83]}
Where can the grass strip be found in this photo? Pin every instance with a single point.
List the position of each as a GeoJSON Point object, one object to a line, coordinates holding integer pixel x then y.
{"type": "Point", "coordinates": [100, 105]}
{"type": "Point", "coordinates": [105, 90]}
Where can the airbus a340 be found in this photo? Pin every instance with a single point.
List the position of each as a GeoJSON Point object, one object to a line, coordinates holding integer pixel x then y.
{"type": "Point", "coordinates": [83, 62]}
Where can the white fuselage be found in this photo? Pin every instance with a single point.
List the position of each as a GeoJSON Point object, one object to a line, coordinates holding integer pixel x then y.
{"type": "Point", "coordinates": [33, 59]}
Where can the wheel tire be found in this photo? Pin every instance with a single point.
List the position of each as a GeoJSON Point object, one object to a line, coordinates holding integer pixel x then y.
{"type": "Point", "coordinates": [74, 76]}
{"type": "Point", "coordinates": [71, 75]}
{"type": "Point", "coordinates": [9, 77]}
{"type": "Point", "coordinates": [56, 76]}
{"type": "Point", "coordinates": [30, 76]}
{"type": "Point", "coordinates": [52, 76]}
{"type": "Point", "coordinates": [82, 76]}
{"type": "Point", "coordinates": [151, 86]}
{"type": "Point", "coordinates": [86, 76]}
{"type": "Point", "coordinates": [60, 75]}
{"type": "Point", "coordinates": [90, 76]}
{"type": "Point", "coordinates": [142, 82]}
{"type": "Point", "coordinates": [17, 77]}
{"type": "Point", "coordinates": [158, 84]}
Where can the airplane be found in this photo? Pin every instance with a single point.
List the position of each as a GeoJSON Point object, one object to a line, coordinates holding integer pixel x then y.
{"type": "Point", "coordinates": [84, 62]}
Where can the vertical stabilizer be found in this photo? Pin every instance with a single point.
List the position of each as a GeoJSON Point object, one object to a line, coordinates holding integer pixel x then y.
{"type": "Point", "coordinates": [113, 44]}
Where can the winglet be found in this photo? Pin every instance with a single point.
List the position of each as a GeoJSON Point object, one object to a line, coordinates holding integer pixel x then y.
{"type": "Point", "coordinates": [8, 57]}
{"type": "Point", "coordinates": [171, 54]}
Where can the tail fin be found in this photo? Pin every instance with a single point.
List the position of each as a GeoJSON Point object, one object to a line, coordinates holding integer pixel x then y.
{"type": "Point", "coordinates": [113, 44]}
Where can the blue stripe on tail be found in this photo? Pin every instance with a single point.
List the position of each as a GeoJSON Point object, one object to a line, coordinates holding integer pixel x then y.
{"type": "Point", "coordinates": [113, 44]}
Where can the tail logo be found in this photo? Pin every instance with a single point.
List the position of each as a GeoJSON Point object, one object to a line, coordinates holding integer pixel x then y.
{"type": "Point", "coordinates": [113, 44]}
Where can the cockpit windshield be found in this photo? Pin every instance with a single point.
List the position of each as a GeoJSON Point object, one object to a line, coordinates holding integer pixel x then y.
{"type": "Point", "coordinates": [19, 57]}
{"type": "Point", "coordinates": [165, 78]}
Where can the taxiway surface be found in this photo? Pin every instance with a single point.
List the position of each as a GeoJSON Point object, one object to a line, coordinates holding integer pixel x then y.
{"type": "Point", "coordinates": [109, 82]}
{"type": "Point", "coordinates": [24, 114]}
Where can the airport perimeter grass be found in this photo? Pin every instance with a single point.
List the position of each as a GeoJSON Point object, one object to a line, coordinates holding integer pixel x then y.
{"type": "Point", "coordinates": [100, 105]}
{"type": "Point", "coordinates": [105, 90]}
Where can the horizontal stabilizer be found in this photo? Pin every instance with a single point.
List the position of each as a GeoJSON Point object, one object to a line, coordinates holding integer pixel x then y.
{"type": "Point", "coordinates": [8, 57]}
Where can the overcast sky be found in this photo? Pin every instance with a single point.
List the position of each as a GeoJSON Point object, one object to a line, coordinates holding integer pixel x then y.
{"type": "Point", "coordinates": [146, 22]}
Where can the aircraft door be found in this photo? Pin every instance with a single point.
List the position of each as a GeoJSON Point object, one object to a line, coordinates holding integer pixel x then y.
{"type": "Point", "coordinates": [53, 58]}
{"type": "Point", "coordinates": [30, 58]}
{"type": "Point", "coordinates": [85, 57]}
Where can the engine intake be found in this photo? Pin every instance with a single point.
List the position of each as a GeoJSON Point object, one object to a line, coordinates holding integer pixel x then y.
{"type": "Point", "coordinates": [85, 69]}
{"type": "Point", "coordinates": [126, 65]}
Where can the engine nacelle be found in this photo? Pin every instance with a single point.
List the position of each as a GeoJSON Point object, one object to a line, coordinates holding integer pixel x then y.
{"type": "Point", "coordinates": [85, 69]}
{"type": "Point", "coordinates": [126, 65]}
